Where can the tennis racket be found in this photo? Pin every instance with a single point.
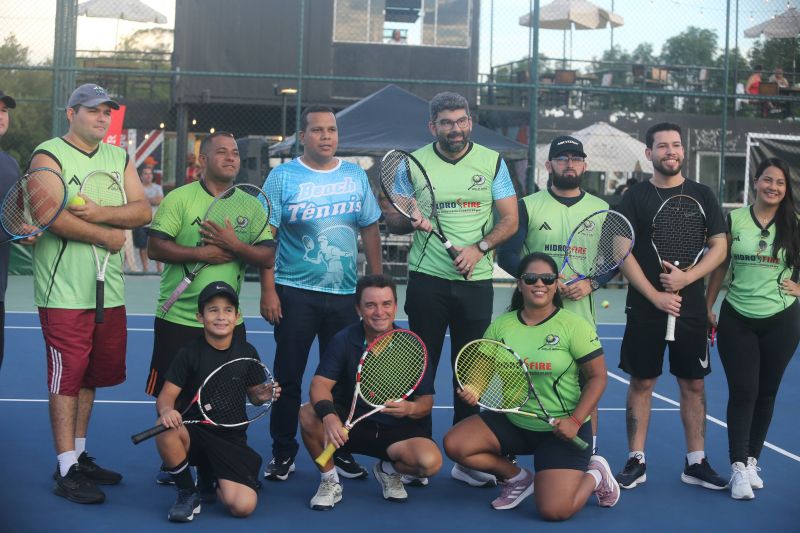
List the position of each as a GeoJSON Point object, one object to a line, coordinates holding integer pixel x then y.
{"type": "Point", "coordinates": [408, 188]}
{"type": "Point", "coordinates": [390, 370]}
{"type": "Point", "coordinates": [247, 208]}
{"type": "Point", "coordinates": [235, 394]}
{"type": "Point", "coordinates": [104, 189]}
{"type": "Point", "coordinates": [598, 245]}
{"type": "Point", "coordinates": [501, 381]}
{"type": "Point", "coordinates": [32, 203]}
{"type": "Point", "coordinates": [308, 244]}
{"type": "Point", "coordinates": [679, 237]}
{"type": "Point", "coordinates": [712, 335]}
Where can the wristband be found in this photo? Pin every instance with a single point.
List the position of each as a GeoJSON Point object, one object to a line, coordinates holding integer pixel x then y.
{"type": "Point", "coordinates": [578, 422]}
{"type": "Point", "coordinates": [324, 408]}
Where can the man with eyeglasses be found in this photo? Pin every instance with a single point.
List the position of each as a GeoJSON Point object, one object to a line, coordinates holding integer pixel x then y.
{"type": "Point", "coordinates": [546, 220]}
{"type": "Point", "coordinates": [471, 181]}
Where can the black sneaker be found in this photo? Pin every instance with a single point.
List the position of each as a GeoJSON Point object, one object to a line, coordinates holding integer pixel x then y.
{"type": "Point", "coordinates": [632, 475]}
{"type": "Point", "coordinates": [279, 468]}
{"type": "Point", "coordinates": [702, 474]}
{"type": "Point", "coordinates": [185, 507]}
{"type": "Point", "coordinates": [348, 467]}
{"type": "Point", "coordinates": [95, 472]}
{"type": "Point", "coordinates": [76, 487]}
{"type": "Point", "coordinates": [206, 485]}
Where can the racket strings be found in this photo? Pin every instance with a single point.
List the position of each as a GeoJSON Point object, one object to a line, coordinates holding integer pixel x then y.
{"type": "Point", "coordinates": [32, 202]}
{"type": "Point", "coordinates": [679, 231]}
{"type": "Point", "coordinates": [103, 189]}
{"type": "Point", "coordinates": [600, 244]}
{"type": "Point", "coordinates": [405, 185]}
{"type": "Point", "coordinates": [224, 397]}
{"type": "Point", "coordinates": [391, 368]}
{"type": "Point", "coordinates": [494, 374]}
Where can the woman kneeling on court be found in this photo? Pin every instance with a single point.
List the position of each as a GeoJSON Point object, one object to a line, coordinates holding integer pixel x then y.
{"type": "Point", "coordinates": [556, 345]}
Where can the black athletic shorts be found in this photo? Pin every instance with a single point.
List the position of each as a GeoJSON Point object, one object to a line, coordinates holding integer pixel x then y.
{"type": "Point", "coordinates": [643, 344]}
{"type": "Point", "coordinates": [373, 439]}
{"type": "Point", "coordinates": [140, 238]}
{"type": "Point", "coordinates": [168, 338]}
{"type": "Point", "coordinates": [225, 456]}
{"type": "Point", "coordinates": [549, 452]}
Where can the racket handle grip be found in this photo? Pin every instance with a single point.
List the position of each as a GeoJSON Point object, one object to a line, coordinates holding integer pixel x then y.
{"type": "Point", "coordinates": [327, 453]}
{"type": "Point", "coordinates": [99, 302]}
{"type": "Point", "coordinates": [579, 442]}
{"type": "Point", "coordinates": [148, 433]}
{"type": "Point", "coordinates": [452, 253]}
{"type": "Point", "coordinates": [182, 286]}
{"type": "Point", "coordinates": [670, 336]}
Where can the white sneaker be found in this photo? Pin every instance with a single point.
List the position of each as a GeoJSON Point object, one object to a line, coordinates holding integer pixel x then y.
{"type": "Point", "coordinates": [328, 494]}
{"type": "Point", "coordinates": [740, 484]}
{"type": "Point", "coordinates": [392, 486]}
{"type": "Point", "coordinates": [473, 478]}
{"type": "Point", "coordinates": [752, 473]}
{"type": "Point", "coordinates": [414, 481]}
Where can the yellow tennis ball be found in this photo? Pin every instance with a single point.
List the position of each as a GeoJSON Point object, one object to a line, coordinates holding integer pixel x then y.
{"type": "Point", "coordinates": [605, 304]}
{"type": "Point", "coordinates": [77, 200]}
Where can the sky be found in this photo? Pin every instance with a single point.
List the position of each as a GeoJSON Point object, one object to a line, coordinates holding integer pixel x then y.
{"type": "Point", "coordinates": [502, 38]}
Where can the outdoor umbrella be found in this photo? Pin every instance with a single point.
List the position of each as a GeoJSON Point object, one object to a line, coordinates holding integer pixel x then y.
{"type": "Point", "coordinates": [132, 10]}
{"type": "Point", "coordinates": [783, 26]}
{"type": "Point", "coordinates": [572, 14]}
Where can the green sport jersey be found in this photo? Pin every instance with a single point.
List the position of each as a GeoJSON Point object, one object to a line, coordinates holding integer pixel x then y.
{"type": "Point", "coordinates": [550, 223]}
{"type": "Point", "coordinates": [465, 190]}
{"type": "Point", "coordinates": [64, 271]}
{"type": "Point", "coordinates": [756, 276]}
{"type": "Point", "coordinates": [552, 350]}
{"type": "Point", "coordinates": [178, 219]}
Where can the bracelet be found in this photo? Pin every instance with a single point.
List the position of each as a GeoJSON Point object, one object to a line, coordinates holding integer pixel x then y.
{"type": "Point", "coordinates": [324, 408]}
{"type": "Point", "coordinates": [578, 422]}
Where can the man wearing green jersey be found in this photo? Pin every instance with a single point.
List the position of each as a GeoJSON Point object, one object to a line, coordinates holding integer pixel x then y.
{"type": "Point", "coordinates": [470, 181]}
{"type": "Point", "coordinates": [547, 219]}
{"type": "Point", "coordinates": [82, 355]}
{"type": "Point", "coordinates": [179, 239]}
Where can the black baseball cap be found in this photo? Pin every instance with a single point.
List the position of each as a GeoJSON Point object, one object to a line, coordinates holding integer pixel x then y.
{"type": "Point", "coordinates": [91, 95]}
{"type": "Point", "coordinates": [216, 288]}
{"type": "Point", "coordinates": [565, 145]}
{"type": "Point", "coordinates": [10, 102]}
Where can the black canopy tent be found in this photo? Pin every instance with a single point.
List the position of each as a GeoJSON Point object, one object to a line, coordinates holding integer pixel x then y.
{"type": "Point", "coordinates": [395, 118]}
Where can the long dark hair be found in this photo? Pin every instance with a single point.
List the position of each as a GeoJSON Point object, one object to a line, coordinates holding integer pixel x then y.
{"type": "Point", "coordinates": [517, 302]}
{"type": "Point", "coordinates": [787, 231]}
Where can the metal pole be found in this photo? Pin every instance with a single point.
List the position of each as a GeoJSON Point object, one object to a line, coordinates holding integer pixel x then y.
{"type": "Point", "coordinates": [724, 136]}
{"type": "Point", "coordinates": [298, 101]}
{"type": "Point", "coordinates": [58, 48]}
{"type": "Point", "coordinates": [533, 93]}
{"type": "Point", "coordinates": [612, 28]}
{"type": "Point", "coordinates": [181, 134]}
{"type": "Point", "coordinates": [283, 116]}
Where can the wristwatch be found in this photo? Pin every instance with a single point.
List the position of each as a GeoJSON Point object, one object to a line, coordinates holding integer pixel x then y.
{"type": "Point", "coordinates": [483, 246]}
{"type": "Point", "coordinates": [595, 284]}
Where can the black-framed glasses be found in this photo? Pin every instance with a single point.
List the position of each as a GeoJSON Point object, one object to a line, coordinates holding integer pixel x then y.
{"type": "Point", "coordinates": [447, 124]}
{"type": "Point", "coordinates": [531, 278]}
{"type": "Point", "coordinates": [564, 159]}
{"type": "Point", "coordinates": [762, 243]}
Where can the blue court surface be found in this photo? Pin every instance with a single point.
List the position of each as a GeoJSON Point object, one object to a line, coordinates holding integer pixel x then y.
{"type": "Point", "coordinates": [27, 461]}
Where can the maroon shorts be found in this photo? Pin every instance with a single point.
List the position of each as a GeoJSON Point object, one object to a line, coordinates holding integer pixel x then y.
{"type": "Point", "coordinates": [80, 353]}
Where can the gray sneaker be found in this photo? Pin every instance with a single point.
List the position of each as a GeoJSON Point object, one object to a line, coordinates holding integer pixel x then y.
{"type": "Point", "coordinates": [329, 493]}
{"type": "Point", "coordinates": [514, 492]}
{"type": "Point", "coordinates": [473, 478]}
{"type": "Point", "coordinates": [392, 485]}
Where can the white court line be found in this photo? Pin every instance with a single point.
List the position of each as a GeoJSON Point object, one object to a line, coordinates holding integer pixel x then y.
{"type": "Point", "coordinates": [717, 421]}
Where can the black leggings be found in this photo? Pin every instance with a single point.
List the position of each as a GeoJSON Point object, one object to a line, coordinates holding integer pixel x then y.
{"type": "Point", "coordinates": [754, 354]}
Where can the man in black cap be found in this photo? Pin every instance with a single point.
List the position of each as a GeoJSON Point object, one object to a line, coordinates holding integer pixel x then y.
{"type": "Point", "coordinates": [546, 220]}
{"type": "Point", "coordinates": [222, 451]}
{"type": "Point", "coordinates": [83, 355]}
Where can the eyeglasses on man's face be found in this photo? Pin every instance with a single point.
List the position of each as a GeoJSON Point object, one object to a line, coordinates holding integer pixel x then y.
{"type": "Point", "coordinates": [447, 124]}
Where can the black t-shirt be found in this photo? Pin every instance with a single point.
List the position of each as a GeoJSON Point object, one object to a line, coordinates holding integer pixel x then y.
{"type": "Point", "coordinates": [339, 363]}
{"type": "Point", "coordinates": [640, 204]}
{"type": "Point", "coordinates": [192, 365]}
{"type": "Point", "coordinates": [9, 174]}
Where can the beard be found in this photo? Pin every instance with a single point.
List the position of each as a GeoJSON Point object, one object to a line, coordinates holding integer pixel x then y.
{"type": "Point", "coordinates": [451, 146]}
{"type": "Point", "coordinates": [563, 182]}
{"type": "Point", "coordinates": [659, 166]}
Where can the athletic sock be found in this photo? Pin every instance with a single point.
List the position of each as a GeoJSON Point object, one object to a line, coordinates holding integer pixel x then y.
{"type": "Point", "coordinates": [638, 455]}
{"type": "Point", "coordinates": [518, 477]}
{"type": "Point", "coordinates": [594, 444]}
{"type": "Point", "coordinates": [695, 458]}
{"type": "Point", "coordinates": [387, 468]}
{"type": "Point", "coordinates": [598, 477]}
{"type": "Point", "coordinates": [65, 461]}
{"type": "Point", "coordinates": [182, 475]}
{"type": "Point", "coordinates": [80, 446]}
{"type": "Point", "coordinates": [331, 475]}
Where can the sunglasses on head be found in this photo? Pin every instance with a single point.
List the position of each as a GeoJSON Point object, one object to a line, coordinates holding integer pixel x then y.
{"type": "Point", "coordinates": [531, 278]}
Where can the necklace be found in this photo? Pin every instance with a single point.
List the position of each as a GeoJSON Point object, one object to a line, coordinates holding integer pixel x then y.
{"type": "Point", "coordinates": [659, 194]}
